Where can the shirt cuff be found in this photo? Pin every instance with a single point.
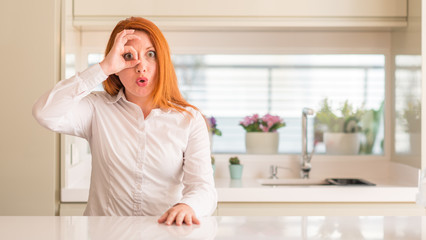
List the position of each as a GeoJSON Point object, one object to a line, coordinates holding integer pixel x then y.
{"type": "Point", "coordinates": [202, 206]}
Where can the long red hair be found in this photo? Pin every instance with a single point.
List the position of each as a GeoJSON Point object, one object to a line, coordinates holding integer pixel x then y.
{"type": "Point", "coordinates": [166, 93]}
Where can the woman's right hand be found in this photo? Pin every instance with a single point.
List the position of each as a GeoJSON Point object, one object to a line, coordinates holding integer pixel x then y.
{"type": "Point", "coordinates": [114, 62]}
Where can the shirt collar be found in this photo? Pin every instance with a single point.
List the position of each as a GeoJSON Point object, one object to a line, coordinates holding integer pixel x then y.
{"type": "Point", "coordinates": [117, 97]}
{"type": "Point", "coordinates": [120, 95]}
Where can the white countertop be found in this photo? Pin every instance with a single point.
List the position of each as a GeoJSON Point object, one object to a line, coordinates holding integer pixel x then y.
{"type": "Point", "coordinates": [288, 227]}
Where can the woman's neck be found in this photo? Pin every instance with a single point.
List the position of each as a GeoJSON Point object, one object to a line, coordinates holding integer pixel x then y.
{"type": "Point", "coordinates": [145, 104]}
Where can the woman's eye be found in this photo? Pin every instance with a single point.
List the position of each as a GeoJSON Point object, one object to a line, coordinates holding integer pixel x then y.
{"type": "Point", "coordinates": [151, 54]}
{"type": "Point", "coordinates": [128, 56]}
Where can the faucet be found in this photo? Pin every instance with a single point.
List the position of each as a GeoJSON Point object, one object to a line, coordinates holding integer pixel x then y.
{"type": "Point", "coordinates": [274, 171]}
{"type": "Point", "coordinates": [306, 158]}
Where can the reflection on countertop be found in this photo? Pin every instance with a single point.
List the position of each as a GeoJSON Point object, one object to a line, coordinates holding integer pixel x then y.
{"type": "Point", "coordinates": [227, 227]}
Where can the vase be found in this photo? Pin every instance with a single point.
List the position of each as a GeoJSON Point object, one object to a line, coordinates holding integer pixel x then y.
{"type": "Point", "coordinates": [262, 142]}
{"type": "Point", "coordinates": [236, 171]}
{"type": "Point", "coordinates": [342, 143]}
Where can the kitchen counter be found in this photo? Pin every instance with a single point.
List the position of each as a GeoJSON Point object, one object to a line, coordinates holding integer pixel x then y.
{"type": "Point", "coordinates": [295, 227]}
{"type": "Point", "coordinates": [394, 182]}
{"type": "Point", "coordinates": [250, 190]}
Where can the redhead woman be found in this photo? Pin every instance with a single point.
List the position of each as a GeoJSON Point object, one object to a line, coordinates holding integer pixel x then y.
{"type": "Point", "coordinates": [150, 148]}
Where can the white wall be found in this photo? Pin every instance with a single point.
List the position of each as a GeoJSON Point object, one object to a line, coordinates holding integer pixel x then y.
{"type": "Point", "coordinates": [29, 61]}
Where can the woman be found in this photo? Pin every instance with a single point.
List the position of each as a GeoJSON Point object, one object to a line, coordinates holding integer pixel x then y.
{"type": "Point", "coordinates": [150, 148]}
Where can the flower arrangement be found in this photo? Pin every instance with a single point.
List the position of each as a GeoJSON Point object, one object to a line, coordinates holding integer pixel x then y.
{"type": "Point", "coordinates": [212, 123]}
{"type": "Point", "coordinates": [267, 123]}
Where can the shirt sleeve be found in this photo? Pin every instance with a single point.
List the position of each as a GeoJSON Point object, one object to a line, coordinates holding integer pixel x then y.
{"type": "Point", "coordinates": [66, 108]}
{"type": "Point", "coordinates": [199, 191]}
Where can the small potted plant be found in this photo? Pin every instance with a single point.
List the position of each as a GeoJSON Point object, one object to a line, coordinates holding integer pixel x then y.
{"type": "Point", "coordinates": [213, 130]}
{"type": "Point", "coordinates": [235, 168]}
{"type": "Point", "coordinates": [340, 128]}
{"type": "Point", "coordinates": [261, 133]}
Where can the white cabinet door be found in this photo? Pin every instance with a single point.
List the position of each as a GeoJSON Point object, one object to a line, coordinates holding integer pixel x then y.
{"type": "Point", "coordinates": [245, 13]}
{"type": "Point", "coordinates": [242, 8]}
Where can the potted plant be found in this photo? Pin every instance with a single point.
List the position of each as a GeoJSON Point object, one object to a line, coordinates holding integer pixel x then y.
{"type": "Point", "coordinates": [261, 133]}
{"type": "Point", "coordinates": [213, 130]}
{"type": "Point", "coordinates": [340, 128]}
{"type": "Point", "coordinates": [235, 168]}
{"type": "Point", "coordinates": [370, 123]}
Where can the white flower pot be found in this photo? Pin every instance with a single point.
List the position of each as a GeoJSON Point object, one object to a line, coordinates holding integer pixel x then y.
{"type": "Point", "coordinates": [342, 143]}
{"type": "Point", "coordinates": [262, 142]}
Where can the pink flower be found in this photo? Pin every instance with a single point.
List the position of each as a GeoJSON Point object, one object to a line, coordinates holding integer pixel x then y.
{"type": "Point", "coordinates": [250, 120]}
{"type": "Point", "coordinates": [267, 123]}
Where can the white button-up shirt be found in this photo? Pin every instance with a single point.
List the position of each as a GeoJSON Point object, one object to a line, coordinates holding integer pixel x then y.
{"type": "Point", "coordinates": [140, 165]}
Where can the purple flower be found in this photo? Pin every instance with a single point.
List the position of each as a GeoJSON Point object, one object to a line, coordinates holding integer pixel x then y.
{"type": "Point", "coordinates": [212, 122]}
{"type": "Point", "coordinates": [213, 126]}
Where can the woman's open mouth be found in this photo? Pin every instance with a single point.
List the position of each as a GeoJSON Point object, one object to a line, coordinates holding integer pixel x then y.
{"type": "Point", "coordinates": [142, 81]}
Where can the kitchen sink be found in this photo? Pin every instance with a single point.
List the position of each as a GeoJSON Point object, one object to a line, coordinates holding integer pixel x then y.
{"type": "Point", "coordinates": [349, 182]}
{"type": "Point", "coordinates": [313, 181]}
{"type": "Point", "coordinates": [292, 181]}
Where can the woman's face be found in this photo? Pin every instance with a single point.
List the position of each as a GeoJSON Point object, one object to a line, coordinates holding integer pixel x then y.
{"type": "Point", "coordinates": [140, 80]}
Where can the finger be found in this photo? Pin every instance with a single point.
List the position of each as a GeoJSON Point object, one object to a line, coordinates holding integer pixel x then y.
{"type": "Point", "coordinates": [131, 37]}
{"type": "Point", "coordinates": [132, 50]}
{"type": "Point", "coordinates": [188, 219]}
{"type": "Point", "coordinates": [171, 218]}
{"type": "Point", "coordinates": [179, 218]}
{"type": "Point", "coordinates": [163, 217]}
{"type": "Point", "coordinates": [127, 37]}
{"type": "Point", "coordinates": [123, 33]}
{"type": "Point", "coordinates": [195, 220]}
{"type": "Point", "coordinates": [129, 63]}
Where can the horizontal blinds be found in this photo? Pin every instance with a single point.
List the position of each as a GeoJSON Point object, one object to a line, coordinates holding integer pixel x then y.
{"type": "Point", "coordinates": [230, 87]}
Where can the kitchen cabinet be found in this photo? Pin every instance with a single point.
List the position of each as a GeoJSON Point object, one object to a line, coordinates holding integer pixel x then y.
{"type": "Point", "coordinates": [244, 13]}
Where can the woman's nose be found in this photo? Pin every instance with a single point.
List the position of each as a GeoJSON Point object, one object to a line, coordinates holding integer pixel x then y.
{"type": "Point", "coordinates": [141, 66]}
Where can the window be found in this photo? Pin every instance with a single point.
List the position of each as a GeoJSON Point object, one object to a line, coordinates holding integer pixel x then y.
{"type": "Point", "coordinates": [407, 104]}
{"type": "Point", "coordinates": [230, 87]}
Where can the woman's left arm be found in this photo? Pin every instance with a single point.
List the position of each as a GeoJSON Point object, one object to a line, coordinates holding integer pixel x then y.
{"type": "Point", "coordinates": [199, 194]}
